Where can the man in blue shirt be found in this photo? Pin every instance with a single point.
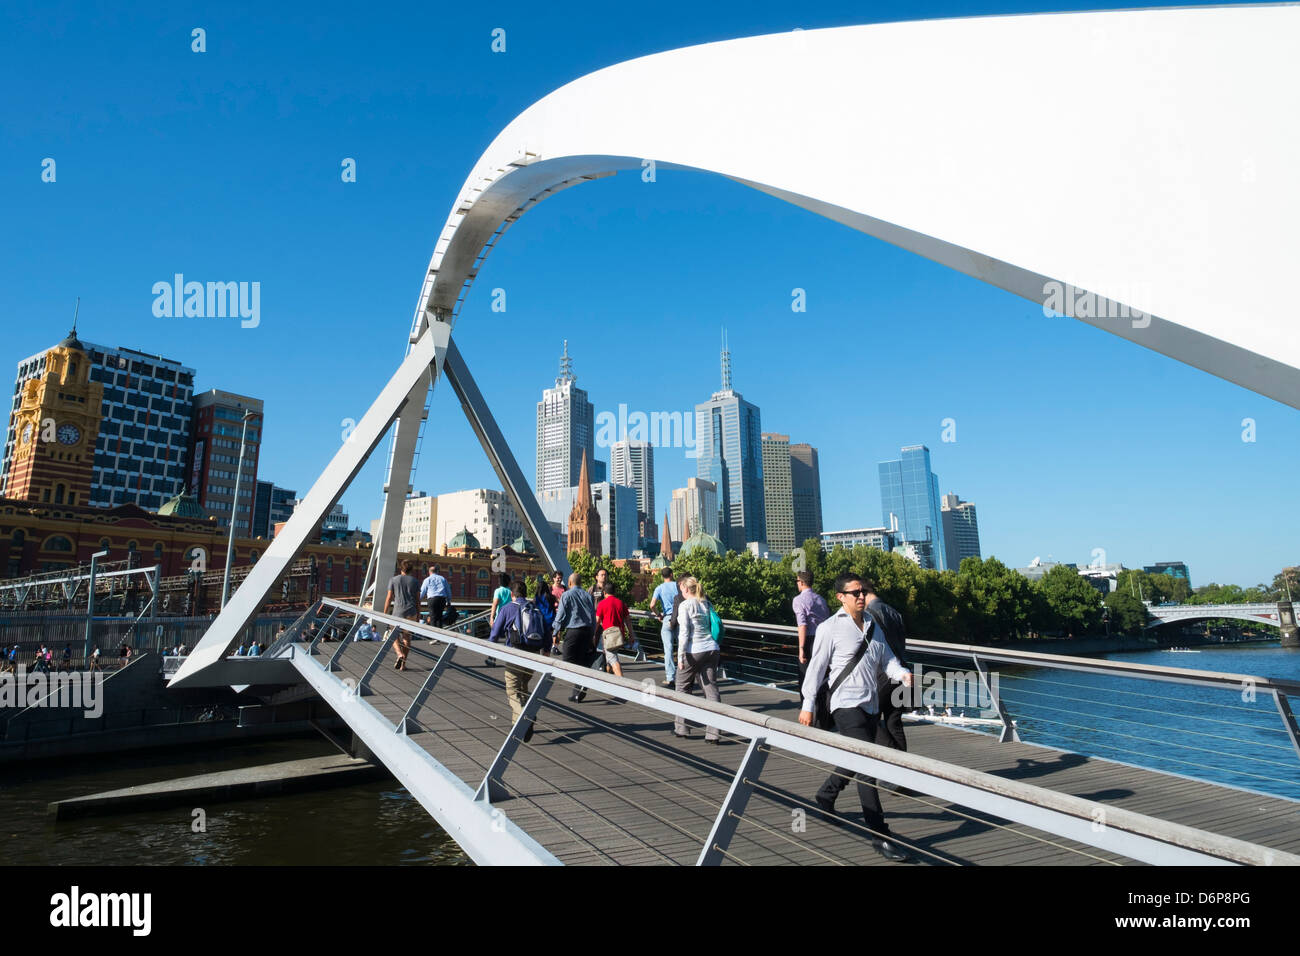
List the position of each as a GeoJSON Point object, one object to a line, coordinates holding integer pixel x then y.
{"type": "Point", "coordinates": [511, 617]}
{"type": "Point", "coordinates": [576, 616]}
{"type": "Point", "coordinates": [666, 597]}
{"type": "Point", "coordinates": [434, 591]}
{"type": "Point", "coordinates": [809, 610]}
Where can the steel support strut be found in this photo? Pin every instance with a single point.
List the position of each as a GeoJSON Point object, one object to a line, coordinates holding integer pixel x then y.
{"type": "Point", "coordinates": [733, 807]}
{"type": "Point", "coordinates": [491, 788]}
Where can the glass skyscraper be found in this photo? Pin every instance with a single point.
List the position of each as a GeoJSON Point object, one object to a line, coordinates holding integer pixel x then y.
{"type": "Point", "coordinates": [728, 435]}
{"type": "Point", "coordinates": [909, 498]}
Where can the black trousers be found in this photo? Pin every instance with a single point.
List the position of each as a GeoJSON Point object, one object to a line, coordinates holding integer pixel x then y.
{"type": "Point", "coordinates": [889, 732]}
{"type": "Point", "coordinates": [578, 646]}
{"type": "Point", "coordinates": [856, 723]}
{"type": "Point", "coordinates": [437, 607]}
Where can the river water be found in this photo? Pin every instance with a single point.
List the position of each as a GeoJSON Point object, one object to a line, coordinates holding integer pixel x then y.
{"type": "Point", "coordinates": [376, 823]}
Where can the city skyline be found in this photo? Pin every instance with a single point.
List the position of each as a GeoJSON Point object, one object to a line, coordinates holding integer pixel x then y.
{"type": "Point", "coordinates": [1032, 411]}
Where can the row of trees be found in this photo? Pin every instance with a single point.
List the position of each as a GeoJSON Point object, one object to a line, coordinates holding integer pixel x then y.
{"type": "Point", "coordinates": [982, 601]}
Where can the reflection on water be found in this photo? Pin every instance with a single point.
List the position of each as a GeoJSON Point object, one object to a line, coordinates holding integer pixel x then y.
{"type": "Point", "coordinates": [374, 823]}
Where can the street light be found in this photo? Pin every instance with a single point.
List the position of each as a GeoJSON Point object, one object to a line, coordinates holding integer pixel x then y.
{"type": "Point", "coordinates": [249, 415]}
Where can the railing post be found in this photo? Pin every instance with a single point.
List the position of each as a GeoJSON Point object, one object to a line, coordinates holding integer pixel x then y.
{"type": "Point", "coordinates": [491, 788]}
{"type": "Point", "coordinates": [338, 651]}
{"type": "Point", "coordinates": [408, 719]}
{"type": "Point", "coordinates": [733, 807]}
{"type": "Point", "coordinates": [1288, 718]}
{"type": "Point", "coordinates": [1009, 731]}
{"type": "Point", "coordinates": [364, 684]}
{"type": "Point", "coordinates": [311, 649]}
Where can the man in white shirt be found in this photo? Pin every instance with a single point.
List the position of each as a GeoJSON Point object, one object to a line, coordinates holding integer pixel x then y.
{"type": "Point", "coordinates": [854, 704]}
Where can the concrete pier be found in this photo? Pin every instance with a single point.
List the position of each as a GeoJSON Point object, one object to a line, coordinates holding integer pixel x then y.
{"type": "Point", "coordinates": [290, 776]}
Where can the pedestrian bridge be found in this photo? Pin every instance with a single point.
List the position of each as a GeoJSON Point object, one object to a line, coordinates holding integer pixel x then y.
{"type": "Point", "coordinates": [605, 781]}
{"type": "Point", "coordinates": [1268, 613]}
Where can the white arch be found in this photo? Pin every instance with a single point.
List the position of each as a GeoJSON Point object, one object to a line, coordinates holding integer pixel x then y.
{"type": "Point", "coordinates": [1145, 156]}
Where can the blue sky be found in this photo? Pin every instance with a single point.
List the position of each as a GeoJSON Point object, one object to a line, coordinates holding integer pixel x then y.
{"type": "Point", "coordinates": [225, 166]}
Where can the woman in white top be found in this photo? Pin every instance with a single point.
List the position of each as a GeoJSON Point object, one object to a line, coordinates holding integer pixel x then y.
{"type": "Point", "coordinates": [697, 651]}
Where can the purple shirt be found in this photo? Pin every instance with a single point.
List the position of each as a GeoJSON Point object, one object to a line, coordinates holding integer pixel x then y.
{"type": "Point", "coordinates": [810, 609]}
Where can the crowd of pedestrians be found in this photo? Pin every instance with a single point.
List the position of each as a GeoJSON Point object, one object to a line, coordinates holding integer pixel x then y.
{"type": "Point", "coordinates": [851, 662]}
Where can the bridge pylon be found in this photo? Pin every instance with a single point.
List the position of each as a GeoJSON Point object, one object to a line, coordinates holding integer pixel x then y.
{"type": "Point", "coordinates": [1286, 621]}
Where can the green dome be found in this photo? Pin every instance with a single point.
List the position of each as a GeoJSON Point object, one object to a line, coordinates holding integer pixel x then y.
{"type": "Point", "coordinates": [463, 539]}
{"type": "Point", "coordinates": [183, 506]}
{"type": "Point", "coordinates": [520, 545]}
{"type": "Point", "coordinates": [702, 539]}
{"type": "Point", "coordinates": [659, 562]}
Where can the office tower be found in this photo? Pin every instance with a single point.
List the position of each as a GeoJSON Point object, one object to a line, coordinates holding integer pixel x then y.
{"type": "Point", "coordinates": [696, 507]}
{"type": "Point", "coordinates": [806, 490]}
{"type": "Point", "coordinates": [419, 524]}
{"type": "Point", "coordinates": [214, 456]}
{"type": "Point", "coordinates": [565, 430]}
{"type": "Point", "coordinates": [909, 501]}
{"type": "Point", "coordinates": [961, 530]}
{"type": "Point", "coordinates": [271, 505]}
{"type": "Point", "coordinates": [142, 440]}
{"type": "Point", "coordinates": [881, 538]}
{"type": "Point", "coordinates": [778, 497]}
{"type": "Point", "coordinates": [615, 507]}
{"type": "Point", "coordinates": [632, 463]}
{"type": "Point", "coordinates": [728, 434]}
{"type": "Point", "coordinates": [485, 512]}
{"type": "Point", "coordinates": [1176, 569]}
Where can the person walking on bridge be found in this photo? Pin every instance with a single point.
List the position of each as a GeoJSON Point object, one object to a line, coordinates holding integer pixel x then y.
{"type": "Point", "coordinates": [890, 628]}
{"type": "Point", "coordinates": [576, 617]}
{"type": "Point", "coordinates": [845, 646]}
{"type": "Point", "coordinates": [666, 596]}
{"type": "Point", "coordinates": [521, 625]}
{"type": "Point", "coordinates": [809, 611]}
{"type": "Point", "coordinates": [697, 652]}
{"type": "Point", "coordinates": [403, 600]}
{"type": "Point", "coordinates": [435, 591]}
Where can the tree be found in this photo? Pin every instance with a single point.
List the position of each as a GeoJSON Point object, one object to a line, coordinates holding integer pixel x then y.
{"type": "Point", "coordinates": [1073, 604]}
{"type": "Point", "coordinates": [992, 600]}
{"type": "Point", "coordinates": [1128, 615]}
{"type": "Point", "coordinates": [587, 564]}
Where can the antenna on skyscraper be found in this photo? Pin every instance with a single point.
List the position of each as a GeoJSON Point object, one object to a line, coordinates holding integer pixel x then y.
{"type": "Point", "coordinates": [566, 366]}
{"type": "Point", "coordinates": [726, 363]}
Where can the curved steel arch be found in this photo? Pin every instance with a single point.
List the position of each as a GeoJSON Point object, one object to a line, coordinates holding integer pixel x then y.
{"type": "Point", "coordinates": [1141, 158]}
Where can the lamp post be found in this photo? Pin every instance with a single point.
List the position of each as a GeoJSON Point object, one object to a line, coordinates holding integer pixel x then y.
{"type": "Point", "coordinates": [249, 415]}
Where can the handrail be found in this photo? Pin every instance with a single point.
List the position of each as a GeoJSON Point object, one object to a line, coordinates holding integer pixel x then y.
{"type": "Point", "coordinates": [1061, 661]}
{"type": "Point", "coordinates": [1125, 832]}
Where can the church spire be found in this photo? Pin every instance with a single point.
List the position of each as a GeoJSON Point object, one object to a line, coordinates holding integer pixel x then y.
{"type": "Point", "coordinates": [666, 548]}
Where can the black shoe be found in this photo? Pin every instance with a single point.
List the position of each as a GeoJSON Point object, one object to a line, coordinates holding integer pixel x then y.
{"type": "Point", "coordinates": [528, 734]}
{"type": "Point", "coordinates": [828, 806]}
{"type": "Point", "coordinates": [582, 695]}
{"type": "Point", "coordinates": [490, 662]}
{"type": "Point", "coordinates": [711, 740]}
{"type": "Point", "coordinates": [683, 736]}
{"type": "Point", "coordinates": [890, 851]}
{"type": "Point", "coordinates": [573, 698]}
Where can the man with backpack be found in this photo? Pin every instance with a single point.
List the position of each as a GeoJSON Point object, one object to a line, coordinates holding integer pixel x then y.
{"type": "Point", "coordinates": [520, 624]}
{"type": "Point", "coordinates": [890, 629]}
{"type": "Point", "coordinates": [847, 658]}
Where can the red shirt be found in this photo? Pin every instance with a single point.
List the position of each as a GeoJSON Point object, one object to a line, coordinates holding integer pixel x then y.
{"type": "Point", "coordinates": [611, 612]}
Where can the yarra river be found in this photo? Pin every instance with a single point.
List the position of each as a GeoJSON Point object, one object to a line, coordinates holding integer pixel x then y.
{"type": "Point", "coordinates": [1213, 734]}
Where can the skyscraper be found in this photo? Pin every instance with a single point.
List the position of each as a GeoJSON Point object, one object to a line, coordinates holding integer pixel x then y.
{"type": "Point", "coordinates": [632, 463]}
{"type": "Point", "coordinates": [142, 441]}
{"type": "Point", "coordinates": [694, 507]}
{"type": "Point", "coordinates": [778, 497]}
{"type": "Point", "coordinates": [728, 434]}
{"type": "Point", "coordinates": [909, 500]}
{"type": "Point", "coordinates": [214, 457]}
{"type": "Point", "coordinates": [961, 530]}
{"type": "Point", "coordinates": [565, 430]}
{"type": "Point", "coordinates": [806, 490]}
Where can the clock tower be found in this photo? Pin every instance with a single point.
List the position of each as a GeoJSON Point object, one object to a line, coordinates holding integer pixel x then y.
{"type": "Point", "coordinates": [56, 425]}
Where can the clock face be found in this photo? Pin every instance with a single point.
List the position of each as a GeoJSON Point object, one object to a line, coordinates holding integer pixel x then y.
{"type": "Point", "coordinates": [27, 433]}
{"type": "Point", "coordinates": [69, 434]}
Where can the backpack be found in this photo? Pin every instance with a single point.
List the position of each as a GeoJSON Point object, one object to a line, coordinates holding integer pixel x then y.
{"type": "Point", "coordinates": [715, 626]}
{"type": "Point", "coordinates": [529, 630]}
{"type": "Point", "coordinates": [449, 615]}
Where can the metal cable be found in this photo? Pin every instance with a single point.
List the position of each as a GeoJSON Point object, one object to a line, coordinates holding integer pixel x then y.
{"type": "Point", "coordinates": [1153, 740]}
{"type": "Point", "coordinates": [1027, 712]}
{"type": "Point", "coordinates": [1148, 710]}
{"type": "Point", "coordinates": [1134, 693]}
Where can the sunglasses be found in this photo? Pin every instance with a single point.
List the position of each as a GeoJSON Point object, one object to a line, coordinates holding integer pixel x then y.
{"type": "Point", "coordinates": [854, 594]}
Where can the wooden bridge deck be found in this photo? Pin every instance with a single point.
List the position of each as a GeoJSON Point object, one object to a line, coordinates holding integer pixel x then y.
{"type": "Point", "coordinates": [607, 782]}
